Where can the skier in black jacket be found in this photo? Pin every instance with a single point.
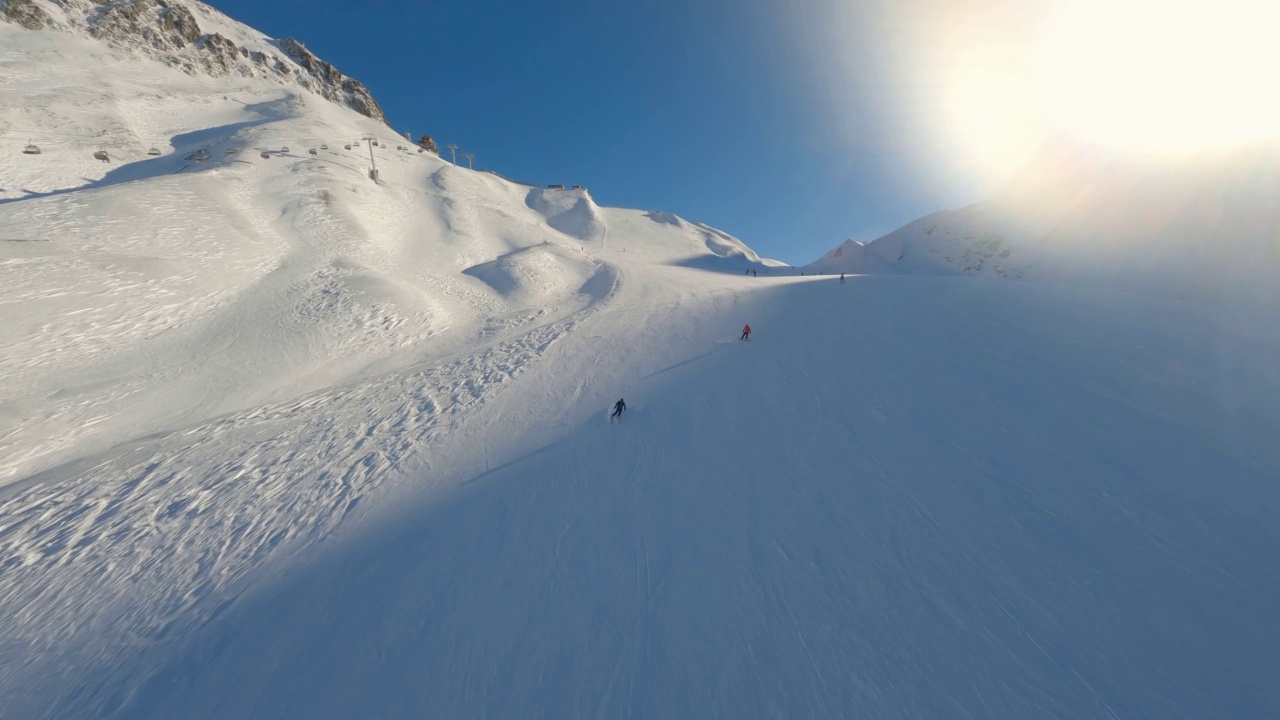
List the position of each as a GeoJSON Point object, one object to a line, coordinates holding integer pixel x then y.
{"type": "Point", "coordinates": [618, 409]}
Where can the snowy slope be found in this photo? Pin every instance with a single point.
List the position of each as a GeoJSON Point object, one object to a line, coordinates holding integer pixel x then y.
{"type": "Point", "coordinates": [960, 499]}
{"type": "Point", "coordinates": [277, 441]}
{"type": "Point", "coordinates": [1203, 221]}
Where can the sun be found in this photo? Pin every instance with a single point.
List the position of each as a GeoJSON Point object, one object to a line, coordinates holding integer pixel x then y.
{"type": "Point", "coordinates": [1168, 76]}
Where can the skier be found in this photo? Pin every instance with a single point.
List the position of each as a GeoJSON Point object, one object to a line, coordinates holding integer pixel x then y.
{"type": "Point", "coordinates": [618, 407]}
{"type": "Point", "coordinates": [841, 278]}
{"type": "Point", "coordinates": [746, 332]}
{"type": "Point", "coordinates": [753, 274]}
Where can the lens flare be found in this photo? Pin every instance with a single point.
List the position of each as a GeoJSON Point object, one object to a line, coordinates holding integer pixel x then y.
{"type": "Point", "coordinates": [1168, 76]}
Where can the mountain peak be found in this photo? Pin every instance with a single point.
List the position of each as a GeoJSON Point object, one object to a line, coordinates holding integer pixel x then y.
{"type": "Point", "coordinates": [197, 39]}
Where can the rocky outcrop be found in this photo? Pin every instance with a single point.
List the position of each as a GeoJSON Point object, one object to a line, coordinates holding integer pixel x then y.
{"type": "Point", "coordinates": [221, 52]}
{"type": "Point", "coordinates": [330, 82]}
{"type": "Point", "coordinates": [161, 25]}
{"type": "Point", "coordinates": [428, 143]}
{"type": "Point", "coordinates": [170, 32]}
{"type": "Point", "coordinates": [25, 13]}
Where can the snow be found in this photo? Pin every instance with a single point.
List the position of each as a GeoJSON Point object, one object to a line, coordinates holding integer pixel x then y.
{"type": "Point", "coordinates": [572, 212]}
{"type": "Point", "coordinates": [277, 441]}
{"type": "Point", "coordinates": [1207, 223]}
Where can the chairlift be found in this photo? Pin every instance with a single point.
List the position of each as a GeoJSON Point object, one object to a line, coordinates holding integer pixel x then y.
{"type": "Point", "coordinates": [153, 152]}
{"type": "Point", "coordinates": [199, 156]}
{"type": "Point", "coordinates": [284, 149]}
{"type": "Point", "coordinates": [312, 151]}
{"type": "Point", "coordinates": [266, 155]}
{"type": "Point", "coordinates": [102, 155]}
{"type": "Point", "coordinates": [420, 151]}
{"type": "Point", "coordinates": [30, 149]}
{"type": "Point", "coordinates": [233, 151]}
{"type": "Point", "coordinates": [347, 147]}
{"type": "Point", "coordinates": [324, 147]}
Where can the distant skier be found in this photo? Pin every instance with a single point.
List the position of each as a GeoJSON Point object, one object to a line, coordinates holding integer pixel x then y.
{"type": "Point", "coordinates": [746, 332]}
{"type": "Point", "coordinates": [841, 278]}
{"type": "Point", "coordinates": [753, 274]}
{"type": "Point", "coordinates": [618, 409]}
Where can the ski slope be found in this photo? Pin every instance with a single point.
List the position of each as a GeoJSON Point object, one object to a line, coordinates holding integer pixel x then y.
{"type": "Point", "coordinates": [280, 442]}
{"type": "Point", "coordinates": [951, 498]}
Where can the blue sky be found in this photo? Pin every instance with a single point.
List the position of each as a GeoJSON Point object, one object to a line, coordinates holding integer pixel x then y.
{"type": "Point", "coordinates": [792, 130]}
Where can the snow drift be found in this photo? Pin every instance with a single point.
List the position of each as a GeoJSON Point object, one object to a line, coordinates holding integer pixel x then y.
{"type": "Point", "coordinates": [572, 212]}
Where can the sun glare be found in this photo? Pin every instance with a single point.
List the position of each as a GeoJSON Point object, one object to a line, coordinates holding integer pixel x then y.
{"type": "Point", "coordinates": [1169, 76]}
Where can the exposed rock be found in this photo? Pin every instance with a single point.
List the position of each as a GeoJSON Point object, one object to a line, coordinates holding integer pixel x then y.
{"type": "Point", "coordinates": [25, 13]}
{"type": "Point", "coordinates": [169, 32]}
{"type": "Point", "coordinates": [178, 21]}
{"type": "Point", "coordinates": [428, 143]}
{"type": "Point", "coordinates": [221, 52]}
{"type": "Point", "coordinates": [332, 83]}
{"type": "Point", "coordinates": [359, 98]}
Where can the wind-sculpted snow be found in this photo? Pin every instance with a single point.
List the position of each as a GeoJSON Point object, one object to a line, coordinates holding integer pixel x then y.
{"type": "Point", "coordinates": [151, 539]}
{"type": "Point", "coordinates": [279, 441]}
{"type": "Point", "coordinates": [572, 212]}
{"type": "Point", "coordinates": [1058, 487]}
{"type": "Point", "coordinates": [539, 276]}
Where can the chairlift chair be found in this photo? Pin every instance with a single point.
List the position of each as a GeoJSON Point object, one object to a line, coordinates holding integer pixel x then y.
{"type": "Point", "coordinates": [266, 155]}
{"type": "Point", "coordinates": [102, 155]}
{"type": "Point", "coordinates": [312, 151]}
{"type": "Point", "coordinates": [324, 147]}
{"type": "Point", "coordinates": [284, 149]}
{"type": "Point", "coordinates": [347, 147]}
{"type": "Point", "coordinates": [153, 152]}
{"type": "Point", "coordinates": [30, 149]}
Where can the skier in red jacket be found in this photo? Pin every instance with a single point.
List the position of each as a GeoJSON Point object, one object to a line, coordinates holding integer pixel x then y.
{"type": "Point", "coordinates": [746, 332]}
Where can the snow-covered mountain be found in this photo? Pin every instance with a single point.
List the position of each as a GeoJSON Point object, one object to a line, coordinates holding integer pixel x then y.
{"type": "Point", "coordinates": [187, 35]}
{"type": "Point", "coordinates": [1079, 211]}
{"type": "Point", "coordinates": [280, 441]}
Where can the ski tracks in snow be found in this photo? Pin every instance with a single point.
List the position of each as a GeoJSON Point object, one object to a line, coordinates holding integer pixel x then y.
{"type": "Point", "coordinates": [117, 552]}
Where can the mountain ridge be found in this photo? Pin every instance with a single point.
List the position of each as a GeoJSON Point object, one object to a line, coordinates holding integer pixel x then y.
{"type": "Point", "coordinates": [197, 39]}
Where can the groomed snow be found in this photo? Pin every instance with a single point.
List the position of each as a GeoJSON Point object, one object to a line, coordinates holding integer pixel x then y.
{"type": "Point", "coordinates": [280, 442]}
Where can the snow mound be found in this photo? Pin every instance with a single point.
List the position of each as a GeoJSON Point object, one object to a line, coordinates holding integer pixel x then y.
{"type": "Point", "coordinates": [572, 212]}
{"type": "Point", "coordinates": [722, 244]}
{"type": "Point", "coordinates": [665, 218]}
{"type": "Point", "coordinates": [538, 275]}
